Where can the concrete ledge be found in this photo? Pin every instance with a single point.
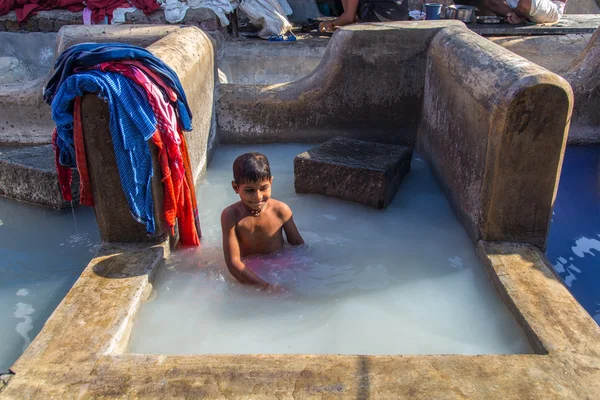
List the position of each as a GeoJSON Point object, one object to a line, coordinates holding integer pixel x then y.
{"type": "Point", "coordinates": [96, 315]}
{"type": "Point", "coordinates": [28, 174]}
{"type": "Point", "coordinates": [368, 86]}
{"type": "Point", "coordinates": [497, 152]}
{"type": "Point", "coordinates": [78, 353]}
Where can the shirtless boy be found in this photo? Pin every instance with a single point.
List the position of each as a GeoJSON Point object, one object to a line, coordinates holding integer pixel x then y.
{"type": "Point", "coordinates": [254, 224]}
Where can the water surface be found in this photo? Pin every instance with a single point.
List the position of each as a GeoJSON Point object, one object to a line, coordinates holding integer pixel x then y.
{"type": "Point", "coordinates": [405, 280]}
{"type": "Point", "coordinates": [574, 241]}
{"type": "Point", "coordinates": [43, 252]}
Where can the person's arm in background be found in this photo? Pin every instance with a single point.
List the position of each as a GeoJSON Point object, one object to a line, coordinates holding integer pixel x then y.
{"type": "Point", "coordinates": [348, 16]}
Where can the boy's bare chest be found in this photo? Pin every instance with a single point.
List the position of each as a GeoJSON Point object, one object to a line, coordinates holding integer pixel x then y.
{"type": "Point", "coordinates": [258, 226]}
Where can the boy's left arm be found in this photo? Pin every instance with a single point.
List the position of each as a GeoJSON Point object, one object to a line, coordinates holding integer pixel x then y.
{"type": "Point", "coordinates": [291, 231]}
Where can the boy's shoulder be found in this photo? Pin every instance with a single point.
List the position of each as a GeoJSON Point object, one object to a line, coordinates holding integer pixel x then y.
{"type": "Point", "coordinates": [280, 208]}
{"type": "Point", "coordinates": [232, 212]}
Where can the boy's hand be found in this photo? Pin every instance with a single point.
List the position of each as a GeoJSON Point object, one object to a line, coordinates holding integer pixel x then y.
{"type": "Point", "coordinates": [269, 288]}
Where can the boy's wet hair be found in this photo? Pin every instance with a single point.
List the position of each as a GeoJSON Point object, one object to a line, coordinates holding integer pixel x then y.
{"type": "Point", "coordinates": [251, 167]}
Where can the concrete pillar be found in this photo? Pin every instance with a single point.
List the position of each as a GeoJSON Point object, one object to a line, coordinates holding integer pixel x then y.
{"type": "Point", "coordinates": [112, 211]}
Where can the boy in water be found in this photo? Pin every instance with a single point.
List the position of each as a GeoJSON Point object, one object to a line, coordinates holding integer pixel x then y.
{"type": "Point", "coordinates": [254, 224]}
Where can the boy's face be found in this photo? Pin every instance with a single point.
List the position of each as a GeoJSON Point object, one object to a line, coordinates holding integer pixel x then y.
{"type": "Point", "coordinates": [254, 195]}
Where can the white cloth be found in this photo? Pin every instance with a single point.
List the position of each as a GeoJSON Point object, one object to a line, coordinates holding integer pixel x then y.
{"type": "Point", "coordinates": [119, 15]}
{"type": "Point", "coordinates": [268, 14]}
{"type": "Point", "coordinates": [543, 11]}
{"type": "Point", "coordinates": [174, 10]}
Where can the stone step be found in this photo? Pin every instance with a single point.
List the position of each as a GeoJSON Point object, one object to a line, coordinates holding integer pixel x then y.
{"type": "Point", "coordinates": [27, 173]}
{"type": "Point", "coordinates": [363, 172]}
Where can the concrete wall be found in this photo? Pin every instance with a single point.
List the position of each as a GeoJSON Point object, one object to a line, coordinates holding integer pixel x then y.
{"type": "Point", "coordinates": [24, 118]}
{"type": "Point", "coordinates": [584, 77]}
{"type": "Point", "coordinates": [265, 63]}
{"type": "Point", "coordinates": [582, 7]}
{"type": "Point", "coordinates": [492, 124]}
{"type": "Point", "coordinates": [369, 85]}
{"type": "Point", "coordinates": [494, 128]}
{"type": "Point", "coordinates": [553, 52]}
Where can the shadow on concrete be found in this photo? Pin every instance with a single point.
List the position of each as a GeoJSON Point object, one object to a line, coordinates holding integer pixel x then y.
{"type": "Point", "coordinates": [122, 261]}
{"type": "Point", "coordinates": [363, 380]}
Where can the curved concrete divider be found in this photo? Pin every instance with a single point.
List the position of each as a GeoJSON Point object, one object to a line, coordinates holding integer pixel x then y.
{"type": "Point", "coordinates": [24, 117]}
{"type": "Point", "coordinates": [369, 86]}
{"type": "Point", "coordinates": [584, 77]}
{"type": "Point", "coordinates": [494, 128]}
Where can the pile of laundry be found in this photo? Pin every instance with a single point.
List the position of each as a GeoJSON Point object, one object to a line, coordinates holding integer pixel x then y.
{"type": "Point", "coordinates": [146, 102]}
{"type": "Point", "coordinates": [270, 16]}
{"type": "Point", "coordinates": [99, 10]}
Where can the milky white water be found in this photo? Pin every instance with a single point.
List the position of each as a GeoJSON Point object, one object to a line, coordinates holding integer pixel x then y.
{"type": "Point", "coordinates": [405, 280]}
{"type": "Point", "coordinates": [42, 254]}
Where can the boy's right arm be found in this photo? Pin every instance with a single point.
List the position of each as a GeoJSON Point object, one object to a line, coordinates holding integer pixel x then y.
{"type": "Point", "coordinates": [231, 250]}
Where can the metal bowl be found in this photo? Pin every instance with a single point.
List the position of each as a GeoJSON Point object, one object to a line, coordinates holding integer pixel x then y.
{"type": "Point", "coordinates": [462, 13]}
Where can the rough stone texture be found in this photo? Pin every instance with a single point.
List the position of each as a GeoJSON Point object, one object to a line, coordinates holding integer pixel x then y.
{"type": "Point", "coordinates": [568, 25]}
{"type": "Point", "coordinates": [138, 35]}
{"type": "Point", "coordinates": [368, 86]}
{"type": "Point", "coordinates": [24, 117]}
{"type": "Point", "coordinates": [54, 20]}
{"type": "Point", "coordinates": [583, 75]}
{"type": "Point", "coordinates": [494, 128]}
{"type": "Point", "coordinates": [78, 353]}
{"type": "Point", "coordinates": [550, 316]}
{"type": "Point", "coordinates": [363, 172]}
{"type": "Point", "coordinates": [96, 315]}
{"type": "Point", "coordinates": [553, 52]}
{"type": "Point", "coordinates": [4, 380]}
{"type": "Point", "coordinates": [28, 174]}
{"type": "Point", "coordinates": [583, 7]}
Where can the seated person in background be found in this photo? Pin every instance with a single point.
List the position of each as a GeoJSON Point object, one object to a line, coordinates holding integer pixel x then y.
{"type": "Point", "coordinates": [254, 224]}
{"type": "Point", "coordinates": [518, 11]}
{"type": "Point", "coordinates": [368, 11]}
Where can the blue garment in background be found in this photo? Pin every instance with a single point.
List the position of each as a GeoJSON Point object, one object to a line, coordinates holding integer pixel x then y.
{"type": "Point", "coordinates": [87, 55]}
{"type": "Point", "coordinates": [132, 124]}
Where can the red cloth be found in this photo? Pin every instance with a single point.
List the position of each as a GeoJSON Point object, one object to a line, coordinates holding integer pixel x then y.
{"type": "Point", "coordinates": [6, 6]}
{"type": "Point", "coordinates": [85, 190]}
{"type": "Point", "coordinates": [147, 6]}
{"type": "Point", "coordinates": [64, 173]}
{"type": "Point", "coordinates": [26, 8]}
{"type": "Point", "coordinates": [102, 8]}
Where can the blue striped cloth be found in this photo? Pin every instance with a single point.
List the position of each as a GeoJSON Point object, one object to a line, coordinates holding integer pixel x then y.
{"type": "Point", "coordinates": [86, 55]}
{"type": "Point", "coordinates": [132, 123]}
